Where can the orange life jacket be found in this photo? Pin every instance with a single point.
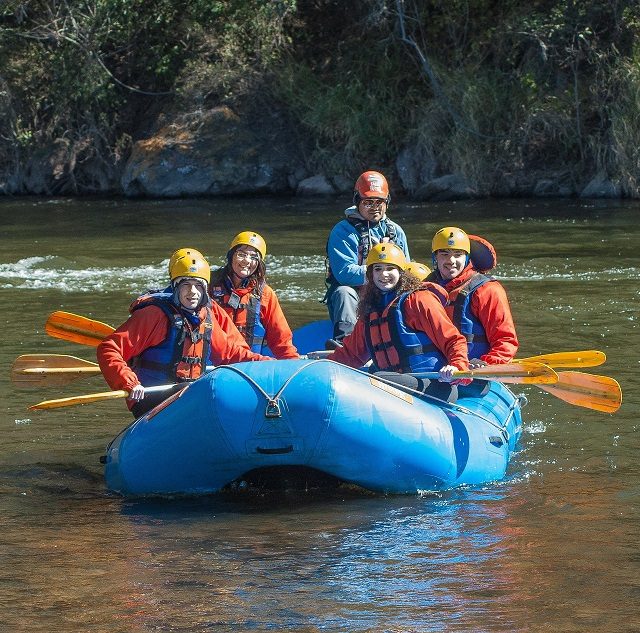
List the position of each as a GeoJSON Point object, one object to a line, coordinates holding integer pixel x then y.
{"type": "Point", "coordinates": [243, 306]}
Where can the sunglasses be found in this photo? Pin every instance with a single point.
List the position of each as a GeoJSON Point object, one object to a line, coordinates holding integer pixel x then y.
{"type": "Point", "coordinates": [243, 255]}
{"type": "Point", "coordinates": [373, 204]}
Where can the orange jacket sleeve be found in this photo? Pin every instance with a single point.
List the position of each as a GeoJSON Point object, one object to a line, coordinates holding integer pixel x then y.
{"type": "Point", "coordinates": [425, 313]}
{"type": "Point", "coordinates": [278, 333]}
{"type": "Point", "coordinates": [354, 352]}
{"type": "Point", "coordinates": [143, 329]}
{"type": "Point", "coordinates": [491, 306]}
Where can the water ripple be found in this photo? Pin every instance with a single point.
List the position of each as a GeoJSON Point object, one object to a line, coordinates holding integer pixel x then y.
{"type": "Point", "coordinates": [291, 274]}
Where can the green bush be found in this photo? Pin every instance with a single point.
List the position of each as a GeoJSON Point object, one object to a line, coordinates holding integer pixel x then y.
{"type": "Point", "coordinates": [500, 87]}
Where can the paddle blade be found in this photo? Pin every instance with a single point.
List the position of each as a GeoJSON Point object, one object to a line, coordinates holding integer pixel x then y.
{"type": "Point", "coordinates": [584, 358]}
{"type": "Point", "coordinates": [69, 402]}
{"type": "Point", "coordinates": [514, 373]}
{"type": "Point", "coordinates": [600, 393]}
{"type": "Point", "coordinates": [50, 370]}
{"type": "Point", "coordinates": [76, 328]}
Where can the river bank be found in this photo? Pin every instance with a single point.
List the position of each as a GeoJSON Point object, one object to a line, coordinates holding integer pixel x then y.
{"type": "Point", "coordinates": [222, 152]}
{"type": "Point", "coordinates": [450, 101]}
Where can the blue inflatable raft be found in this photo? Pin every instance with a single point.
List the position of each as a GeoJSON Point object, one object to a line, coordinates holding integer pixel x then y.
{"type": "Point", "coordinates": [320, 416]}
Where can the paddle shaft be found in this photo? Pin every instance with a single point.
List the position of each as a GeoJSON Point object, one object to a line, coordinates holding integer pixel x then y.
{"type": "Point", "coordinates": [584, 358]}
{"type": "Point", "coordinates": [92, 397]}
{"type": "Point", "coordinates": [61, 370]}
{"type": "Point", "coordinates": [515, 373]}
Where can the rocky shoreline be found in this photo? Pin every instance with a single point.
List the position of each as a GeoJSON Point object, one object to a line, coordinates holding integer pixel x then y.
{"type": "Point", "coordinates": [221, 152]}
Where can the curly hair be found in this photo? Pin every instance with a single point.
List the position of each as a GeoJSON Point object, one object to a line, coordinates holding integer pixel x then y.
{"type": "Point", "coordinates": [370, 295]}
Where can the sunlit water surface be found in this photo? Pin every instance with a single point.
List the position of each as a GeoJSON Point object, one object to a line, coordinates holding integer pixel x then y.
{"type": "Point", "coordinates": [553, 547]}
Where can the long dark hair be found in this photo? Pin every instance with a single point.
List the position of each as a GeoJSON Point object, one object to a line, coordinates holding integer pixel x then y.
{"type": "Point", "coordinates": [370, 294]}
{"type": "Point", "coordinates": [257, 279]}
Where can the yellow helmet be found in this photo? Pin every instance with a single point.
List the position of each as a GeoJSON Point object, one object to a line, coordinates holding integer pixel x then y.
{"type": "Point", "coordinates": [387, 253]}
{"type": "Point", "coordinates": [451, 237]}
{"type": "Point", "coordinates": [418, 270]}
{"type": "Point", "coordinates": [188, 262]}
{"type": "Point", "coordinates": [250, 239]}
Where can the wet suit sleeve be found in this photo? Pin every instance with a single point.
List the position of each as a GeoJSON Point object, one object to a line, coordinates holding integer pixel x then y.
{"type": "Point", "coordinates": [424, 312]}
{"type": "Point", "coordinates": [354, 352]}
{"type": "Point", "coordinates": [145, 328]}
{"type": "Point", "coordinates": [278, 333]}
{"type": "Point", "coordinates": [491, 306]}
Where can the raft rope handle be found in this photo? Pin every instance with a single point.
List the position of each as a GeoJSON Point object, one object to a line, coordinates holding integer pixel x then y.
{"type": "Point", "coordinates": [273, 402]}
{"type": "Point", "coordinates": [512, 409]}
{"type": "Point", "coordinates": [520, 401]}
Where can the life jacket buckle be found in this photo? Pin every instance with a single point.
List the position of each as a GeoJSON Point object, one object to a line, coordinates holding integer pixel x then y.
{"type": "Point", "coordinates": [273, 409]}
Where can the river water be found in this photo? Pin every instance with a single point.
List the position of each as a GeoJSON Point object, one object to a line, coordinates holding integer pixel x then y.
{"type": "Point", "coordinates": [553, 547]}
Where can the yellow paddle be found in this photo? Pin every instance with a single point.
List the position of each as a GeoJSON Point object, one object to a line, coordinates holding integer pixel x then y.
{"type": "Point", "coordinates": [50, 370]}
{"type": "Point", "coordinates": [91, 397]}
{"type": "Point", "coordinates": [591, 391]}
{"type": "Point", "coordinates": [79, 329]}
{"type": "Point", "coordinates": [520, 373]}
{"type": "Point", "coordinates": [600, 393]}
{"type": "Point", "coordinates": [514, 373]}
{"type": "Point", "coordinates": [584, 358]}
{"type": "Point", "coordinates": [76, 328]}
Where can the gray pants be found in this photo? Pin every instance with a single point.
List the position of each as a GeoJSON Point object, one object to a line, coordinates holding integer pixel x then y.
{"type": "Point", "coordinates": [342, 302]}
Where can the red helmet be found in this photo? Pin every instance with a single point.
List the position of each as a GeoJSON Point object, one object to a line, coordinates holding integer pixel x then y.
{"type": "Point", "coordinates": [371, 184]}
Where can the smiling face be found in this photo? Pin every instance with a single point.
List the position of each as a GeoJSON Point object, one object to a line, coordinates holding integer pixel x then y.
{"type": "Point", "coordinates": [385, 276]}
{"type": "Point", "coordinates": [244, 262]}
{"type": "Point", "coordinates": [190, 293]}
{"type": "Point", "coordinates": [372, 209]}
{"type": "Point", "coordinates": [451, 262]}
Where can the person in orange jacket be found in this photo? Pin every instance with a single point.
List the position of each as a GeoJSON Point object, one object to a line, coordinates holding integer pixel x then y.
{"type": "Point", "coordinates": [402, 325]}
{"type": "Point", "coordinates": [241, 289]}
{"type": "Point", "coordinates": [170, 337]}
{"type": "Point", "coordinates": [478, 304]}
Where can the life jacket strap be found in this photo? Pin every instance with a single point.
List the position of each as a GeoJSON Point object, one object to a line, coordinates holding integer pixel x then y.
{"type": "Point", "coordinates": [191, 360]}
